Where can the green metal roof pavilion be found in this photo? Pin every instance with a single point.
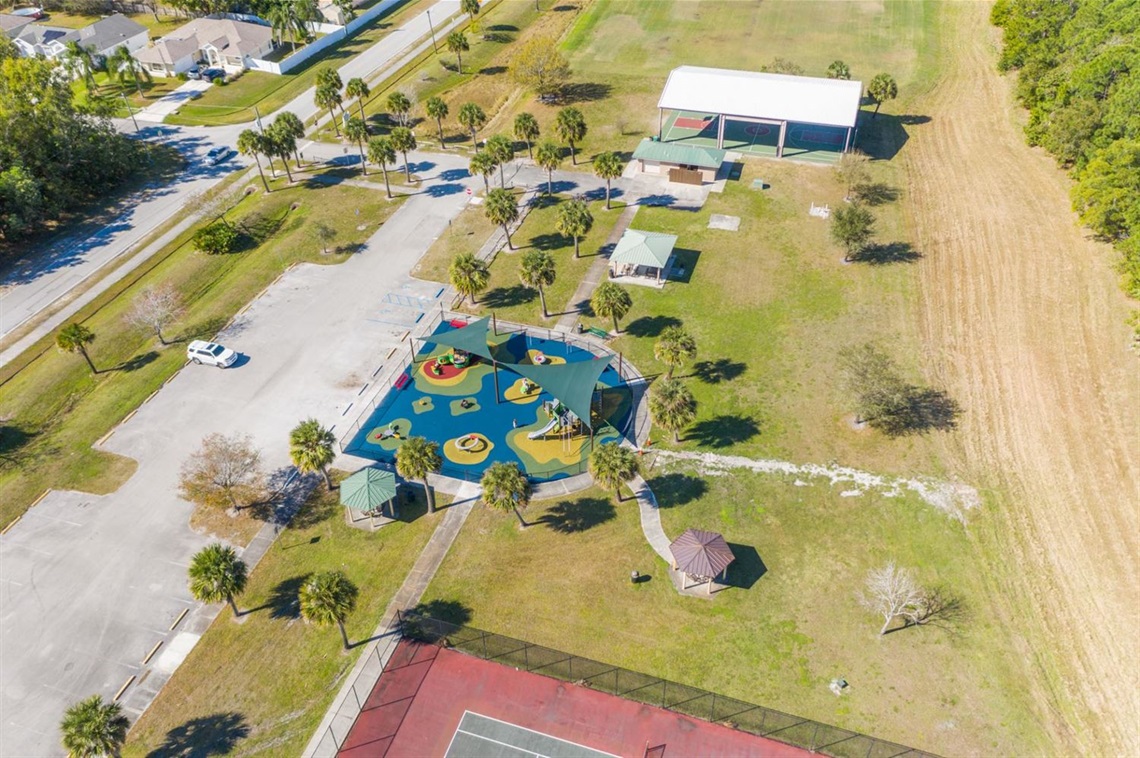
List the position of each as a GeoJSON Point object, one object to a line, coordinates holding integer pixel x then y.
{"type": "Point", "coordinates": [572, 384]}
{"type": "Point", "coordinates": [679, 153]}
{"type": "Point", "coordinates": [644, 248]}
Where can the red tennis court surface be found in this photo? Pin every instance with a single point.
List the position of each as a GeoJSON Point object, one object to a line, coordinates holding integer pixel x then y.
{"type": "Point", "coordinates": [419, 700]}
{"type": "Point", "coordinates": [685, 122]}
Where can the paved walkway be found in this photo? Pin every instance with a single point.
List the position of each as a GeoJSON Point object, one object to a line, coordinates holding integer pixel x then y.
{"type": "Point", "coordinates": [597, 272]}
{"type": "Point", "coordinates": [345, 708]}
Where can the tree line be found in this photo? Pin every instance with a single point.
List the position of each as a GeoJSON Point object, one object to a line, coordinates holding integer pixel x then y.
{"type": "Point", "coordinates": [1078, 75]}
{"type": "Point", "coordinates": [55, 154]}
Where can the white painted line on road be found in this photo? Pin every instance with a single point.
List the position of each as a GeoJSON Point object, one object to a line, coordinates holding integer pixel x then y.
{"type": "Point", "coordinates": [12, 581]}
{"type": "Point", "coordinates": [33, 549]}
{"type": "Point", "coordinates": [53, 518]}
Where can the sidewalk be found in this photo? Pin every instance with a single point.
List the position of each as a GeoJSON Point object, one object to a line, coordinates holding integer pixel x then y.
{"type": "Point", "coordinates": [596, 274]}
{"type": "Point", "coordinates": [335, 726]}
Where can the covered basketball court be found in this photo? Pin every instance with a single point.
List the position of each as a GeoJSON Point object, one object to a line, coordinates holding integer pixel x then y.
{"type": "Point", "coordinates": [773, 115]}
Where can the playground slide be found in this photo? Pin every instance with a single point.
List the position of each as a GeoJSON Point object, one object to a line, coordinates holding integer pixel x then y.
{"type": "Point", "coordinates": [544, 430]}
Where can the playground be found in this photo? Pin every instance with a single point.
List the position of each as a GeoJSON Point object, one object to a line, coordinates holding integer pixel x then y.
{"type": "Point", "coordinates": [487, 397]}
{"type": "Point", "coordinates": [809, 142]}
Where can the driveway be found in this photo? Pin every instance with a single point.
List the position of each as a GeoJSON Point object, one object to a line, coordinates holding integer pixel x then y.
{"type": "Point", "coordinates": [89, 584]}
{"type": "Point", "coordinates": [167, 104]}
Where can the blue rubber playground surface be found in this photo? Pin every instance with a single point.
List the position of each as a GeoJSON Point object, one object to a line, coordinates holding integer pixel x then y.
{"type": "Point", "coordinates": [458, 408]}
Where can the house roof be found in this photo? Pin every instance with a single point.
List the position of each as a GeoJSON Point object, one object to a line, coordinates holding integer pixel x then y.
{"type": "Point", "coordinates": [38, 34]}
{"type": "Point", "coordinates": [802, 99]}
{"type": "Point", "coordinates": [644, 248]}
{"type": "Point", "coordinates": [701, 553]}
{"type": "Point", "coordinates": [680, 153]}
{"type": "Point", "coordinates": [9, 24]}
{"type": "Point", "coordinates": [235, 38]}
{"type": "Point", "coordinates": [108, 32]}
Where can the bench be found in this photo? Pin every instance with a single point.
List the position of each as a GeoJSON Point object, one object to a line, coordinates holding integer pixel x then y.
{"type": "Point", "coordinates": [600, 333]}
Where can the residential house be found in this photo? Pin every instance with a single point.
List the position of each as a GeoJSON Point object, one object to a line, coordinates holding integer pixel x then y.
{"type": "Point", "coordinates": [11, 24]}
{"type": "Point", "coordinates": [213, 42]}
{"type": "Point", "coordinates": [101, 38]}
{"type": "Point", "coordinates": [40, 41]}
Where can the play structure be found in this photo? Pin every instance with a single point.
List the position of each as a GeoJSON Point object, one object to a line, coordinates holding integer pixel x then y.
{"type": "Point", "coordinates": [540, 403]}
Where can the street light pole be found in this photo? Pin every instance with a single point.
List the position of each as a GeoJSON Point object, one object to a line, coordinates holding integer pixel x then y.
{"type": "Point", "coordinates": [434, 49]}
{"type": "Point", "coordinates": [127, 103]}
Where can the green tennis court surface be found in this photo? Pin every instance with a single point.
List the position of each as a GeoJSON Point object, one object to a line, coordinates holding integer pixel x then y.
{"type": "Point", "coordinates": [807, 142]}
{"type": "Point", "coordinates": [483, 737]}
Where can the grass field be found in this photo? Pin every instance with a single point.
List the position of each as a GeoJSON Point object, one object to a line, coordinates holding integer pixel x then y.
{"type": "Point", "coordinates": [505, 295]}
{"type": "Point", "coordinates": [261, 686]}
{"type": "Point", "coordinates": [234, 103]}
{"type": "Point", "coordinates": [778, 642]}
{"type": "Point", "coordinates": [54, 410]}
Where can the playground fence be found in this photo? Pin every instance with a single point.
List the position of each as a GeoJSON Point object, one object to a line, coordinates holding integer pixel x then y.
{"type": "Point", "coordinates": [651, 690]}
{"type": "Point", "coordinates": [635, 428]}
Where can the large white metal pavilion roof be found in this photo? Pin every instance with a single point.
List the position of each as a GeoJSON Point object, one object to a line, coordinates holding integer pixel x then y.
{"type": "Point", "coordinates": [750, 94]}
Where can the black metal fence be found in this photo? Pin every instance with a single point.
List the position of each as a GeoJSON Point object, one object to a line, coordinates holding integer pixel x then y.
{"type": "Point", "coordinates": [651, 690]}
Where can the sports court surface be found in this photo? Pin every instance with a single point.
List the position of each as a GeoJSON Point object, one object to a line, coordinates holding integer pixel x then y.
{"type": "Point", "coordinates": [432, 701]}
{"type": "Point", "coordinates": [823, 144]}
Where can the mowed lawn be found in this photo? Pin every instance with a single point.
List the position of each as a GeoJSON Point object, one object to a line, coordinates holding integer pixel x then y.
{"type": "Point", "coordinates": [54, 409]}
{"type": "Point", "coordinates": [262, 686]}
{"type": "Point", "coordinates": [621, 53]}
{"type": "Point", "coordinates": [793, 625]}
{"type": "Point", "coordinates": [505, 295]}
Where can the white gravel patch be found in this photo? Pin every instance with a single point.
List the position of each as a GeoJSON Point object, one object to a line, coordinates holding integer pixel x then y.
{"type": "Point", "coordinates": [955, 499]}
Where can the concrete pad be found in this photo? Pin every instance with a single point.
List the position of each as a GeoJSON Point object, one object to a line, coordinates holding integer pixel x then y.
{"type": "Point", "coordinates": [727, 223]}
{"type": "Point", "coordinates": [175, 651]}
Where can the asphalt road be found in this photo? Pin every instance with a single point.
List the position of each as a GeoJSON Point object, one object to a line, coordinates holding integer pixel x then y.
{"type": "Point", "coordinates": [89, 584]}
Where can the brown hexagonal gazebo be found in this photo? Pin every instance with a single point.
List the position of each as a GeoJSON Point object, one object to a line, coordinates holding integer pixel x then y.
{"type": "Point", "coordinates": [701, 555]}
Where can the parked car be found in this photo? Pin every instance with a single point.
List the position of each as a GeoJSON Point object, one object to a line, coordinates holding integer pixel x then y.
{"type": "Point", "coordinates": [211, 354]}
{"type": "Point", "coordinates": [217, 155]}
{"type": "Point", "coordinates": [211, 74]}
{"type": "Point", "coordinates": [194, 73]}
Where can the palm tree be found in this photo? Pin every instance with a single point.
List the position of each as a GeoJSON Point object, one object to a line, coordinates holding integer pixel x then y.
{"type": "Point", "coordinates": [94, 727]}
{"type": "Point", "coordinates": [574, 220]}
{"type": "Point", "coordinates": [537, 271]}
{"type": "Point", "coordinates": [611, 300]}
{"type": "Point", "coordinates": [331, 77]}
{"type": "Point", "coordinates": [484, 165]}
{"type": "Point", "coordinates": [570, 126]}
{"type": "Point", "coordinates": [74, 338]}
{"type": "Point", "coordinates": [328, 97]}
{"type": "Point", "coordinates": [357, 131]}
{"type": "Point", "coordinates": [80, 62]}
{"type": "Point", "coordinates": [674, 347]}
{"type": "Point", "coordinates": [280, 142]}
{"type": "Point", "coordinates": [404, 140]}
{"type": "Point", "coordinates": [472, 117]}
{"type": "Point", "coordinates": [399, 105]}
{"type": "Point", "coordinates": [380, 151]}
{"type": "Point", "coordinates": [311, 448]}
{"type": "Point", "coordinates": [327, 598]}
{"type": "Point", "coordinates": [549, 158]}
{"type": "Point", "coordinates": [838, 70]}
{"type": "Point", "coordinates": [501, 209]}
{"type": "Point", "coordinates": [358, 89]}
{"type": "Point", "coordinates": [305, 12]}
{"type": "Point", "coordinates": [672, 406]}
{"type": "Point", "coordinates": [506, 488]}
{"type": "Point", "coordinates": [280, 18]}
{"type": "Point", "coordinates": [217, 574]}
{"type": "Point", "coordinates": [883, 87]}
{"type": "Point", "coordinates": [252, 142]}
{"type": "Point", "coordinates": [457, 44]}
{"type": "Point", "coordinates": [612, 465]}
{"type": "Point", "coordinates": [471, 8]}
{"type": "Point", "coordinates": [436, 108]}
{"type": "Point", "coordinates": [608, 166]}
{"type": "Point", "coordinates": [526, 129]}
{"type": "Point", "coordinates": [415, 459]}
{"type": "Point", "coordinates": [503, 151]}
{"type": "Point", "coordinates": [468, 275]}
{"type": "Point", "coordinates": [288, 123]}
{"type": "Point", "coordinates": [127, 68]}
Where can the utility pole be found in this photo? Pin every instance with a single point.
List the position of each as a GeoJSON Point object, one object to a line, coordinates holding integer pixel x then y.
{"type": "Point", "coordinates": [434, 49]}
{"type": "Point", "coordinates": [127, 103]}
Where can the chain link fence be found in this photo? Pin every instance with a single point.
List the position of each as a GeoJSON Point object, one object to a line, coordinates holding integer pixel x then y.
{"type": "Point", "coordinates": [651, 690]}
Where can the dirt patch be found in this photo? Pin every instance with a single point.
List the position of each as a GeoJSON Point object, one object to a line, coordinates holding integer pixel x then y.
{"type": "Point", "coordinates": [1025, 327]}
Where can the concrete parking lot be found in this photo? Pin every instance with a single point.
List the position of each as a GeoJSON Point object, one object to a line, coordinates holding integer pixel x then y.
{"type": "Point", "coordinates": [89, 584]}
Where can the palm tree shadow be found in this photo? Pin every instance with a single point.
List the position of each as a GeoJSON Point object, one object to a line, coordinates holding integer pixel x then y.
{"type": "Point", "coordinates": [650, 326]}
{"type": "Point", "coordinates": [283, 602]}
{"type": "Point", "coordinates": [717, 371]}
{"type": "Point", "coordinates": [217, 734]}
{"type": "Point", "coordinates": [507, 297]}
{"type": "Point", "coordinates": [724, 430]}
{"type": "Point", "coordinates": [572, 517]}
{"type": "Point", "coordinates": [672, 490]}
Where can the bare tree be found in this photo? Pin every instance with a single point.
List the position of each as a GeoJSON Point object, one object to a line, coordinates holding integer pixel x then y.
{"type": "Point", "coordinates": [894, 593]}
{"type": "Point", "coordinates": [154, 309]}
{"type": "Point", "coordinates": [225, 472]}
{"type": "Point", "coordinates": [216, 204]}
